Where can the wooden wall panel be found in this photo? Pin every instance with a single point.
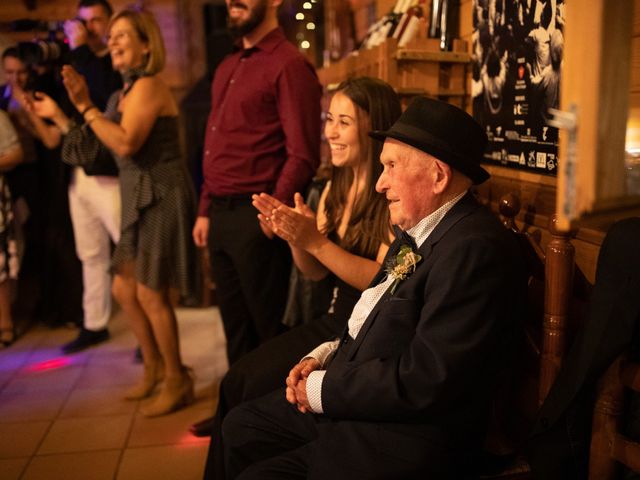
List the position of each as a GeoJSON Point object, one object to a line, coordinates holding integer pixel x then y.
{"type": "Point", "coordinates": [466, 23]}
{"type": "Point", "coordinates": [634, 87]}
{"type": "Point", "coordinates": [635, 65]}
{"type": "Point", "coordinates": [384, 6]}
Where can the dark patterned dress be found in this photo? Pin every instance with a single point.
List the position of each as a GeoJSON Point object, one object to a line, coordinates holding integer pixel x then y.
{"type": "Point", "coordinates": [158, 204]}
{"type": "Point", "coordinates": [9, 264]}
{"type": "Point", "coordinates": [158, 212]}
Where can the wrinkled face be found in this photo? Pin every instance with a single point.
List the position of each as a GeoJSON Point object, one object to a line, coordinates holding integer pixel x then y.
{"type": "Point", "coordinates": [125, 46]}
{"type": "Point", "coordinates": [408, 181]}
{"type": "Point", "coordinates": [342, 132]}
{"type": "Point", "coordinates": [15, 71]}
{"type": "Point", "coordinates": [96, 20]}
{"type": "Point", "coordinates": [245, 15]}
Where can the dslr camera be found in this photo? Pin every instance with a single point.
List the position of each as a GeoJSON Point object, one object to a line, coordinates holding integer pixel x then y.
{"type": "Point", "coordinates": [53, 50]}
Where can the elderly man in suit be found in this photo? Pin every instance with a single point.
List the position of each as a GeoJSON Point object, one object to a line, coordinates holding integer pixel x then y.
{"type": "Point", "coordinates": [407, 391]}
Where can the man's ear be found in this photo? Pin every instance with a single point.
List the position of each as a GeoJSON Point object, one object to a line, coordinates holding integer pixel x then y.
{"type": "Point", "coordinates": [442, 176]}
{"type": "Point", "coordinates": [276, 3]}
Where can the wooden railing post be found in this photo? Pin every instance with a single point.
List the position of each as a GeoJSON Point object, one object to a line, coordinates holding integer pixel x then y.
{"type": "Point", "coordinates": [559, 266]}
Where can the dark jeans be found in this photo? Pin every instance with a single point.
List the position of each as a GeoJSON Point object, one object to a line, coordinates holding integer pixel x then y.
{"type": "Point", "coordinates": [251, 273]}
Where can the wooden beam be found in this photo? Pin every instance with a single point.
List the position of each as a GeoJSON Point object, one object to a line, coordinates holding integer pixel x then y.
{"type": "Point", "coordinates": [595, 86]}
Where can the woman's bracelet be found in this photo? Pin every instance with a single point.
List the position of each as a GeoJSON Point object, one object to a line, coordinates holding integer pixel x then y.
{"type": "Point", "coordinates": [87, 109]}
{"type": "Point", "coordinates": [91, 118]}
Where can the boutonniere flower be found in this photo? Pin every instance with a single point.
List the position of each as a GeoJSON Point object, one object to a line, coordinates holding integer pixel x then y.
{"type": "Point", "coordinates": [405, 265]}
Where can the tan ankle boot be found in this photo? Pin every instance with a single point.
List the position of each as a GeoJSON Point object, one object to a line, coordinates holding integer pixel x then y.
{"type": "Point", "coordinates": [153, 374]}
{"type": "Point", "coordinates": [176, 393]}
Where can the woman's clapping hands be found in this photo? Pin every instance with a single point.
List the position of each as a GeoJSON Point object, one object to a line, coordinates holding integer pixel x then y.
{"type": "Point", "coordinates": [41, 105]}
{"type": "Point", "coordinates": [77, 88]}
{"type": "Point", "coordinates": [295, 225]}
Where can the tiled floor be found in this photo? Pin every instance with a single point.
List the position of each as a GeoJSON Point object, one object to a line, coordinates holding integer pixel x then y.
{"type": "Point", "coordinates": [62, 417]}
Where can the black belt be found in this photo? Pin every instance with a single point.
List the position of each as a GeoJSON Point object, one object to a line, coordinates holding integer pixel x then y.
{"type": "Point", "coordinates": [229, 202]}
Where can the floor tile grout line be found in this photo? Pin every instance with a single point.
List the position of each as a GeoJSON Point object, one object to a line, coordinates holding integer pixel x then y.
{"type": "Point", "coordinates": [127, 439]}
{"type": "Point", "coordinates": [56, 417]}
{"type": "Point", "coordinates": [110, 449]}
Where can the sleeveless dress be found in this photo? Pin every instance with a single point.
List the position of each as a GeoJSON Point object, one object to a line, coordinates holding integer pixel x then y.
{"type": "Point", "coordinates": [158, 203]}
{"type": "Point", "coordinates": [158, 212]}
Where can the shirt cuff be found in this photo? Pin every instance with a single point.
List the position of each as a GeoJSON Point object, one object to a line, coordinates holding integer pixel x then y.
{"type": "Point", "coordinates": [314, 390]}
{"type": "Point", "coordinates": [323, 351]}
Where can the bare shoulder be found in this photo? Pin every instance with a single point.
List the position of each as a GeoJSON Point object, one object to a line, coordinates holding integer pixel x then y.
{"type": "Point", "coordinates": [152, 83]}
{"type": "Point", "coordinates": [153, 90]}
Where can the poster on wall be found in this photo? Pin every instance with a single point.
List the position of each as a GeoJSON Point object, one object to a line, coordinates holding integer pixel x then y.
{"type": "Point", "coordinates": [516, 58]}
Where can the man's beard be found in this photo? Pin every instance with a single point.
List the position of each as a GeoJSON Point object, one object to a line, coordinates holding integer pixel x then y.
{"type": "Point", "coordinates": [239, 28]}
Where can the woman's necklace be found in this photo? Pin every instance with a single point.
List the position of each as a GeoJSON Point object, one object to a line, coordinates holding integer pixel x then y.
{"type": "Point", "coordinates": [130, 77]}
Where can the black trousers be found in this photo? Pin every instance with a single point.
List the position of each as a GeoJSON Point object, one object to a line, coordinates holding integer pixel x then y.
{"type": "Point", "coordinates": [251, 273]}
{"type": "Point", "coordinates": [267, 438]}
{"type": "Point", "coordinates": [262, 371]}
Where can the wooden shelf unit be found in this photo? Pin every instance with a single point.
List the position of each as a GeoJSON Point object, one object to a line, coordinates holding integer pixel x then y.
{"type": "Point", "coordinates": [419, 68]}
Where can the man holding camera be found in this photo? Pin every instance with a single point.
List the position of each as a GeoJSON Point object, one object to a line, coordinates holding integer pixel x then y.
{"type": "Point", "coordinates": [94, 192]}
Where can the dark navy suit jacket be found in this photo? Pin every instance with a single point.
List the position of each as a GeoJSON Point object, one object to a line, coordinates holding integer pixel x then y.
{"type": "Point", "coordinates": [427, 359]}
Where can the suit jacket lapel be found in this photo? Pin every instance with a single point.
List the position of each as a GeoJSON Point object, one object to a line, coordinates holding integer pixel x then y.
{"type": "Point", "coordinates": [464, 207]}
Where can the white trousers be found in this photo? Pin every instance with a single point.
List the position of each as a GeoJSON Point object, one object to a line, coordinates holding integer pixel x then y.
{"type": "Point", "coordinates": [94, 202]}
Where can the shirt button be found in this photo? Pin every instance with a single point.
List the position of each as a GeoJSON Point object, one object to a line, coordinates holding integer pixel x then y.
{"type": "Point", "coordinates": [232, 81]}
{"type": "Point", "coordinates": [213, 129]}
{"type": "Point", "coordinates": [207, 152]}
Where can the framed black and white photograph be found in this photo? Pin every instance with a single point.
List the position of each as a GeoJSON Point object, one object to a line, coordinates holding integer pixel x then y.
{"type": "Point", "coordinates": [516, 58]}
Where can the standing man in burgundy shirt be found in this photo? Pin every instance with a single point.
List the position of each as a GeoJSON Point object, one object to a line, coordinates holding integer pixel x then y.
{"type": "Point", "coordinates": [263, 135]}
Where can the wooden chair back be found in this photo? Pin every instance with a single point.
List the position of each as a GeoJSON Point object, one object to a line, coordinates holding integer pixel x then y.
{"type": "Point", "coordinates": [613, 416]}
{"type": "Point", "coordinates": [552, 269]}
{"type": "Point", "coordinates": [546, 330]}
{"type": "Point", "coordinates": [610, 449]}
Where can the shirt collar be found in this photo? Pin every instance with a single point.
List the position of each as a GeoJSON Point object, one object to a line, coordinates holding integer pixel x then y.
{"type": "Point", "coordinates": [7, 91]}
{"type": "Point", "coordinates": [421, 231]}
{"type": "Point", "coordinates": [268, 43]}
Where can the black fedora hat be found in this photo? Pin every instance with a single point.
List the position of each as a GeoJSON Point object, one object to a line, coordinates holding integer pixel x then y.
{"type": "Point", "coordinates": [443, 131]}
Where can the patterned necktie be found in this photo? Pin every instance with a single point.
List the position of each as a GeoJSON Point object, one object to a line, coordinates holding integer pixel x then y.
{"type": "Point", "coordinates": [403, 238]}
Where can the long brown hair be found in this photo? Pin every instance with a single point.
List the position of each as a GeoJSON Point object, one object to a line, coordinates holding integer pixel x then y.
{"type": "Point", "coordinates": [377, 108]}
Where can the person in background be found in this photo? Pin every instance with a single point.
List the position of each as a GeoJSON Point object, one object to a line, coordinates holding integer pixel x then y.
{"type": "Point", "coordinates": [10, 155]}
{"type": "Point", "coordinates": [50, 283]}
{"type": "Point", "coordinates": [94, 193]}
{"type": "Point", "coordinates": [18, 75]}
{"type": "Point", "coordinates": [347, 241]}
{"type": "Point", "coordinates": [263, 135]}
{"type": "Point", "coordinates": [155, 251]}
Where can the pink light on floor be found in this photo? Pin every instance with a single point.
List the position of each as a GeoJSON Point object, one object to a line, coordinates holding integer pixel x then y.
{"type": "Point", "coordinates": [51, 364]}
{"type": "Point", "coordinates": [189, 438]}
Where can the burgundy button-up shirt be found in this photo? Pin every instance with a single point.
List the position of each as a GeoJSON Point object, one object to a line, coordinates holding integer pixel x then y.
{"type": "Point", "coordinates": [263, 132]}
